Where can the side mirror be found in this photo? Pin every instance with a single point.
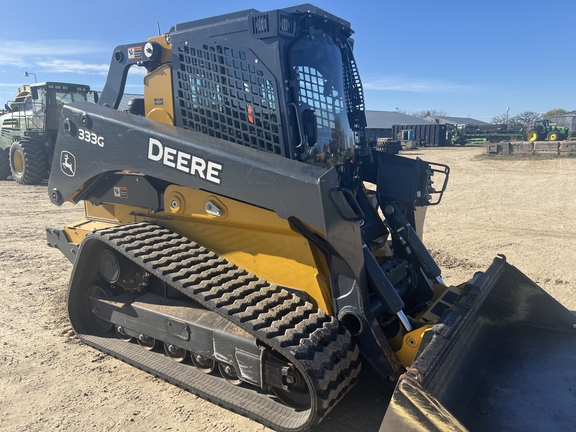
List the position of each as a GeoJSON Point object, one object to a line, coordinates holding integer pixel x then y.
{"type": "Point", "coordinates": [34, 92]}
{"type": "Point", "coordinates": [95, 97]}
{"type": "Point", "coordinates": [310, 124]}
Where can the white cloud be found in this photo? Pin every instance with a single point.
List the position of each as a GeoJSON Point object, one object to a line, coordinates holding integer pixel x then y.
{"type": "Point", "coordinates": [71, 66]}
{"type": "Point", "coordinates": [10, 85]}
{"type": "Point", "coordinates": [54, 55]}
{"type": "Point", "coordinates": [404, 84]}
{"type": "Point", "coordinates": [51, 47]}
{"type": "Point", "coordinates": [13, 61]}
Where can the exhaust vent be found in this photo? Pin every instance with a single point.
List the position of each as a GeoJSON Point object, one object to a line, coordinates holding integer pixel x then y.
{"type": "Point", "coordinates": [286, 25]}
{"type": "Point", "coordinates": [273, 24]}
{"type": "Point", "coordinates": [261, 25]}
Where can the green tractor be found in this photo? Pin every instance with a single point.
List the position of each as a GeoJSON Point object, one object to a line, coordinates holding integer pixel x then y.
{"type": "Point", "coordinates": [28, 131]}
{"type": "Point", "coordinates": [543, 130]}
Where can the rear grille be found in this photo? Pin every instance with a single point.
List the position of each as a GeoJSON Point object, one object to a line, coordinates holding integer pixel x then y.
{"type": "Point", "coordinates": [226, 93]}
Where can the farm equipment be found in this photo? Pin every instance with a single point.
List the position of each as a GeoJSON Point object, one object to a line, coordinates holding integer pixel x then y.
{"type": "Point", "coordinates": [28, 131]}
{"type": "Point", "coordinates": [243, 225]}
{"type": "Point", "coordinates": [542, 130]}
{"type": "Point", "coordinates": [474, 134]}
{"type": "Point", "coordinates": [430, 135]}
{"type": "Point", "coordinates": [21, 100]}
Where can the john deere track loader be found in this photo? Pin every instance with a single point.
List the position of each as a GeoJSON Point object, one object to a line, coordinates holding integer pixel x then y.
{"type": "Point", "coordinates": [243, 242]}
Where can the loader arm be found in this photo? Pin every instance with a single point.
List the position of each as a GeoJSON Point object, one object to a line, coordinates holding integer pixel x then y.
{"type": "Point", "coordinates": [311, 196]}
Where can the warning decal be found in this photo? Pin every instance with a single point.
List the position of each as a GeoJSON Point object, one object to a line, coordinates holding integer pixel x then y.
{"type": "Point", "coordinates": [135, 53]}
{"type": "Point", "coordinates": [120, 192]}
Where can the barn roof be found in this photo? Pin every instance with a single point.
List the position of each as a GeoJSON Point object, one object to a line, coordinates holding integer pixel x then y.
{"type": "Point", "coordinates": [385, 119]}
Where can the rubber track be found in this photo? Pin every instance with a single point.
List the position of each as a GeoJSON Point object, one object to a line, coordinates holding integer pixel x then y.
{"type": "Point", "coordinates": [313, 341]}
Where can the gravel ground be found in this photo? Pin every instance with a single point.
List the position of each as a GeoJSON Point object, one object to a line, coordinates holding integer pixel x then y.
{"type": "Point", "coordinates": [523, 208]}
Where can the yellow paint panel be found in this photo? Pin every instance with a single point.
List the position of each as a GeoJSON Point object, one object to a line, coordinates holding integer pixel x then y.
{"type": "Point", "coordinates": [158, 97]}
{"type": "Point", "coordinates": [253, 238]}
{"type": "Point", "coordinates": [250, 237]}
{"type": "Point", "coordinates": [103, 216]}
{"type": "Point", "coordinates": [410, 344]}
{"type": "Point", "coordinates": [114, 212]}
{"type": "Point", "coordinates": [78, 230]}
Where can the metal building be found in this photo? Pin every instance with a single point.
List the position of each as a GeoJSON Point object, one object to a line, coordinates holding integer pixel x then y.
{"type": "Point", "coordinates": [456, 121]}
{"type": "Point", "coordinates": [379, 123]}
{"type": "Point", "coordinates": [567, 120]}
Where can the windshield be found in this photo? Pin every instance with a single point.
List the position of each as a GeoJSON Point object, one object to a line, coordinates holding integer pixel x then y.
{"type": "Point", "coordinates": [317, 65]}
{"type": "Point", "coordinates": [56, 100]}
{"type": "Point", "coordinates": [39, 111]}
{"type": "Point", "coordinates": [68, 97]}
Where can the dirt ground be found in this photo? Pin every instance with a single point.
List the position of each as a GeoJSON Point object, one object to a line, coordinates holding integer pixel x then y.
{"type": "Point", "coordinates": [49, 381]}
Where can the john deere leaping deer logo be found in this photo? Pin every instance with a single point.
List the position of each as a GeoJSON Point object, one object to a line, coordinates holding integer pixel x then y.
{"type": "Point", "coordinates": [68, 163]}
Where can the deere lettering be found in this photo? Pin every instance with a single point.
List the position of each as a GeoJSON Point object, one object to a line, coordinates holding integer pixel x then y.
{"type": "Point", "coordinates": [183, 161]}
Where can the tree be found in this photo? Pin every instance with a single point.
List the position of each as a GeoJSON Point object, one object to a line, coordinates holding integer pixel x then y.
{"type": "Point", "coordinates": [523, 119]}
{"type": "Point", "coordinates": [501, 119]}
{"type": "Point", "coordinates": [554, 112]}
{"type": "Point", "coordinates": [426, 113]}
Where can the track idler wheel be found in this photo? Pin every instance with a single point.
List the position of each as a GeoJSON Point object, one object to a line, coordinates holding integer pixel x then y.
{"type": "Point", "coordinates": [296, 394]}
{"type": "Point", "coordinates": [91, 311]}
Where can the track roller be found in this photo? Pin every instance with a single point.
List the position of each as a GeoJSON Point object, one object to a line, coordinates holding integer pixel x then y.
{"type": "Point", "coordinates": [204, 364]}
{"type": "Point", "coordinates": [147, 342]}
{"type": "Point", "coordinates": [121, 333]}
{"type": "Point", "coordinates": [175, 353]}
{"type": "Point", "coordinates": [229, 374]}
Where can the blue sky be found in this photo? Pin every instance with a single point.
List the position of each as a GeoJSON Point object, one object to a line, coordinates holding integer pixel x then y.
{"type": "Point", "coordinates": [467, 58]}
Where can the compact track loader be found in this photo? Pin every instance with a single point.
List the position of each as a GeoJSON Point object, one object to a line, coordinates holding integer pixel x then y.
{"type": "Point", "coordinates": [243, 242]}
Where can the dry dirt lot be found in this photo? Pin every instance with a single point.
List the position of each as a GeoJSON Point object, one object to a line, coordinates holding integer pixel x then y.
{"type": "Point", "coordinates": [522, 208]}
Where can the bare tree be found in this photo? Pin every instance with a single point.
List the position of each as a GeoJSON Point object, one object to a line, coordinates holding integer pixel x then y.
{"type": "Point", "coordinates": [426, 113]}
{"type": "Point", "coordinates": [500, 119]}
{"type": "Point", "coordinates": [523, 119]}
